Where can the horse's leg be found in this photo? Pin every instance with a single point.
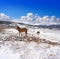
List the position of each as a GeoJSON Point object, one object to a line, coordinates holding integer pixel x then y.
{"type": "Point", "coordinates": [19, 33]}
{"type": "Point", "coordinates": [26, 33]}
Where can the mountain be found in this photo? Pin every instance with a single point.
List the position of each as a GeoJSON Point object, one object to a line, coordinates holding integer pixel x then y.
{"type": "Point", "coordinates": [39, 26]}
{"type": "Point", "coordinates": [7, 22]}
{"type": "Point", "coordinates": [50, 26]}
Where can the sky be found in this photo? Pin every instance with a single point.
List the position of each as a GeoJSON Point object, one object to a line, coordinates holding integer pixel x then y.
{"type": "Point", "coordinates": [31, 11]}
{"type": "Point", "coordinates": [18, 8]}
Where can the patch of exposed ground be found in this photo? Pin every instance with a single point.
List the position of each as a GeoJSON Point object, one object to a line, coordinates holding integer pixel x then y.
{"type": "Point", "coordinates": [30, 39]}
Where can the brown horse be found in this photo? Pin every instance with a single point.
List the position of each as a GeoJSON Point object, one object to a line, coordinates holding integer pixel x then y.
{"type": "Point", "coordinates": [21, 30]}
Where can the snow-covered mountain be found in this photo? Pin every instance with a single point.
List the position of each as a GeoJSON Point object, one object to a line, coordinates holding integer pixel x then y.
{"type": "Point", "coordinates": [39, 26]}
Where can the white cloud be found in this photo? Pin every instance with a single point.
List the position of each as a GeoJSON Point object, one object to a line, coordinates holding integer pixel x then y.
{"type": "Point", "coordinates": [30, 18]}
{"type": "Point", "coordinates": [4, 16]}
{"type": "Point", "coordinates": [58, 20]}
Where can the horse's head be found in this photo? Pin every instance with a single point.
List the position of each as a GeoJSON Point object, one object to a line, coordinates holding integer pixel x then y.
{"type": "Point", "coordinates": [16, 26]}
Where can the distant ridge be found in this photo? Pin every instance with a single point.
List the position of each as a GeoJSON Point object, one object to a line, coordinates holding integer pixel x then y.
{"type": "Point", "coordinates": [39, 26]}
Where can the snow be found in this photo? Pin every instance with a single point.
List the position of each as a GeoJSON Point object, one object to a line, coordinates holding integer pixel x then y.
{"type": "Point", "coordinates": [48, 34]}
{"type": "Point", "coordinates": [6, 53]}
{"type": "Point", "coordinates": [30, 50]}
{"type": "Point", "coordinates": [52, 35]}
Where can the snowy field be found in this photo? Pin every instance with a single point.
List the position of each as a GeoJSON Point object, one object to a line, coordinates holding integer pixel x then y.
{"type": "Point", "coordinates": [13, 48]}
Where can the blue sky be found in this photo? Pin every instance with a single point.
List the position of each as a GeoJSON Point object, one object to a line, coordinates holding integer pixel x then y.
{"type": "Point", "coordinates": [18, 8]}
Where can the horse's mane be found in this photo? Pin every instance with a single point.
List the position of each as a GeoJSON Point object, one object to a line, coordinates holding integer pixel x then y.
{"type": "Point", "coordinates": [20, 27]}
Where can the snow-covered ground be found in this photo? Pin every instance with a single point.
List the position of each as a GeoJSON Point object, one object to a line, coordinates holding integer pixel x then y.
{"type": "Point", "coordinates": [29, 50]}
{"type": "Point", "coordinates": [48, 34]}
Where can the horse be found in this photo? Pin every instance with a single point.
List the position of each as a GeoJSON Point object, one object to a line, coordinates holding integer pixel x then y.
{"type": "Point", "coordinates": [22, 30]}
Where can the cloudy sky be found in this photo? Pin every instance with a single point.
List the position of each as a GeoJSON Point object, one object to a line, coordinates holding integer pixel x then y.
{"type": "Point", "coordinates": [31, 11]}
